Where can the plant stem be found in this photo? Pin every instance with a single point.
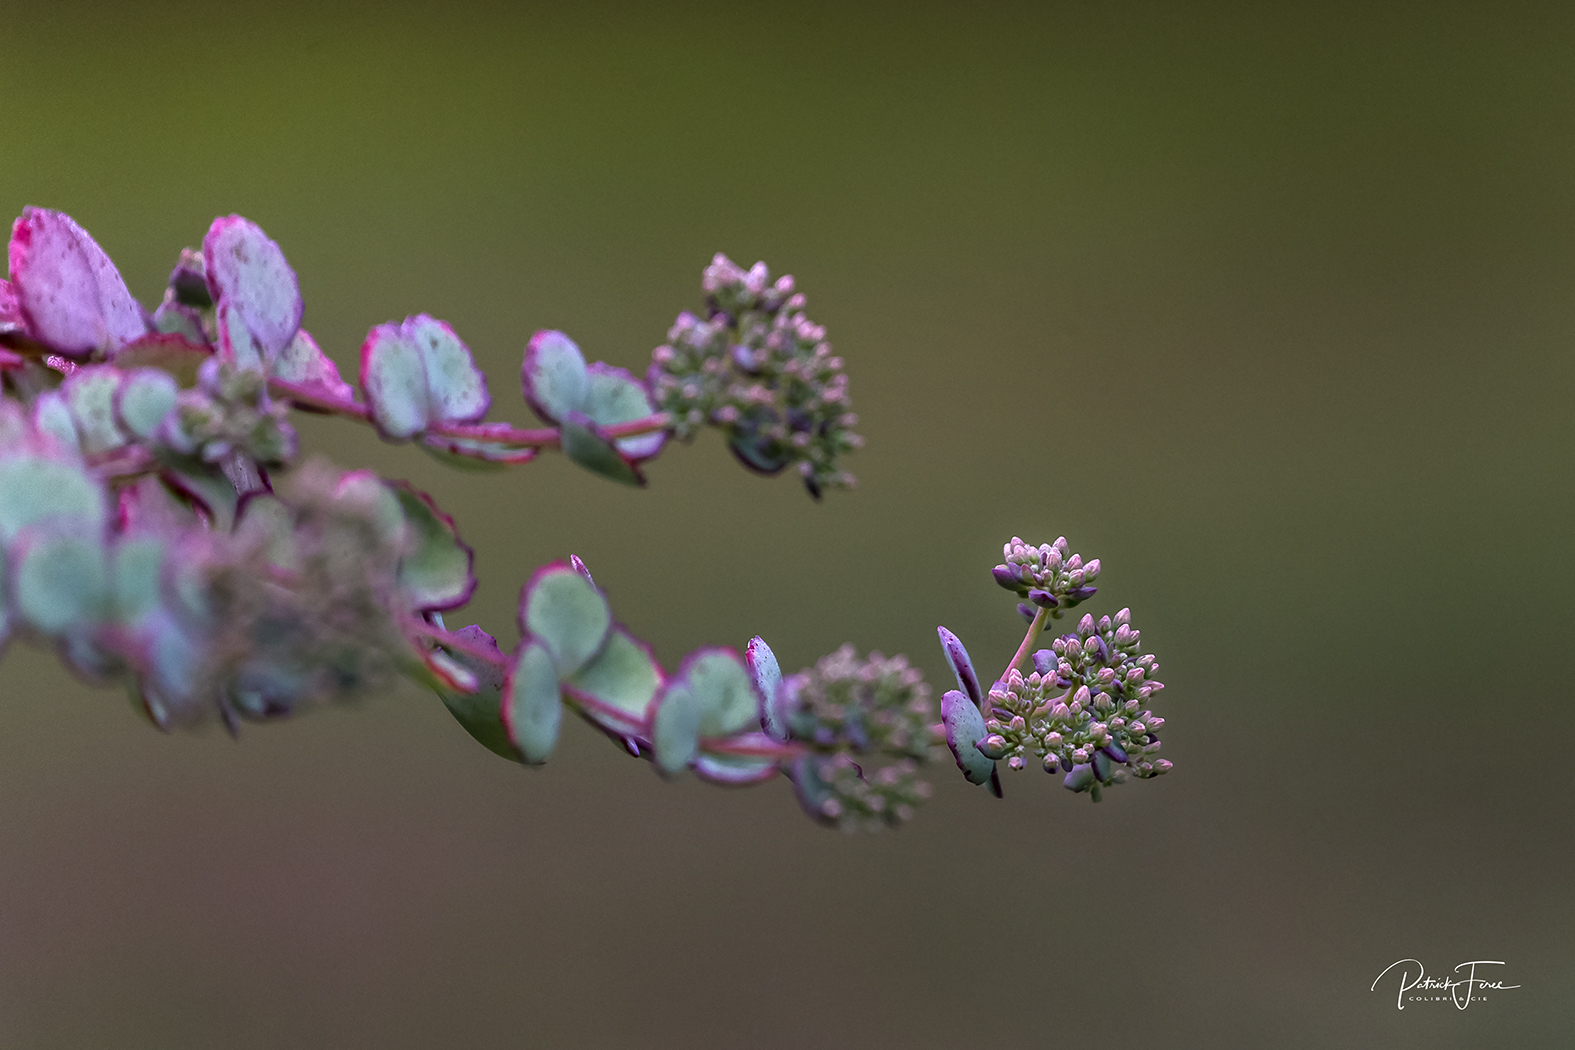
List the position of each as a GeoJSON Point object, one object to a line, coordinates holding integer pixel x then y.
{"type": "Point", "coordinates": [502, 433]}
{"type": "Point", "coordinates": [1028, 641]}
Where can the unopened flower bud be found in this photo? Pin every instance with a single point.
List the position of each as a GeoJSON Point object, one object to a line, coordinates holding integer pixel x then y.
{"type": "Point", "coordinates": [1080, 779]}
{"type": "Point", "coordinates": [1091, 570]}
{"type": "Point", "coordinates": [1005, 577]}
{"type": "Point", "coordinates": [1044, 662]}
{"type": "Point", "coordinates": [1028, 612]}
{"type": "Point", "coordinates": [992, 746]}
{"type": "Point", "coordinates": [1042, 598]}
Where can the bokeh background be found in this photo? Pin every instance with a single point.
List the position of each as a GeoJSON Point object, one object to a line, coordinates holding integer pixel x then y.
{"type": "Point", "coordinates": [1270, 309]}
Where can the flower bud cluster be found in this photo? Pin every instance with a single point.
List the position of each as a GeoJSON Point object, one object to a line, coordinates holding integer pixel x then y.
{"type": "Point", "coordinates": [1046, 575]}
{"type": "Point", "coordinates": [762, 371]}
{"type": "Point", "coordinates": [876, 704]}
{"type": "Point", "coordinates": [851, 801]}
{"type": "Point", "coordinates": [229, 411]}
{"type": "Point", "coordinates": [1083, 705]}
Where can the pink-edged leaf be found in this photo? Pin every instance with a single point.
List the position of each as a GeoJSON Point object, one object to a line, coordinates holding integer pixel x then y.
{"type": "Point", "coordinates": [567, 614]}
{"type": "Point", "coordinates": [583, 442]}
{"type": "Point", "coordinates": [246, 268]}
{"type": "Point", "coordinates": [532, 707]}
{"type": "Point", "coordinates": [456, 388]}
{"type": "Point", "coordinates": [480, 710]}
{"type": "Point", "coordinates": [172, 353]}
{"type": "Point", "coordinates": [723, 692]}
{"type": "Point", "coordinates": [554, 375]}
{"type": "Point", "coordinates": [395, 383]}
{"type": "Point", "coordinates": [145, 397]}
{"type": "Point", "coordinates": [733, 770]}
{"type": "Point", "coordinates": [304, 364]}
{"type": "Point", "coordinates": [174, 318]}
{"type": "Point", "coordinates": [767, 673]}
{"type": "Point", "coordinates": [613, 395]}
{"type": "Point", "coordinates": [468, 453]}
{"type": "Point", "coordinates": [237, 342]}
{"type": "Point", "coordinates": [436, 568]}
{"type": "Point", "coordinates": [69, 295]}
{"type": "Point", "coordinates": [615, 689]}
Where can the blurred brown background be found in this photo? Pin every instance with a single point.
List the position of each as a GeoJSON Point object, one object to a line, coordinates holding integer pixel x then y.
{"type": "Point", "coordinates": [1269, 310]}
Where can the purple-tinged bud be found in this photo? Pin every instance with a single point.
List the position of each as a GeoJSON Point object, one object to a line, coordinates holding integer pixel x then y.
{"type": "Point", "coordinates": [1134, 675]}
{"type": "Point", "coordinates": [1074, 563]}
{"type": "Point", "coordinates": [1042, 598]}
{"type": "Point", "coordinates": [1091, 570]}
{"type": "Point", "coordinates": [1115, 751]}
{"type": "Point", "coordinates": [1053, 741]}
{"type": "Point", "coordinates": [1124, 617]}
{"type": "Point", "coordinates": [1123, 635]}
{"type": "Point", "coordinates": [1081, 778]}
{"type": "Point", "coordinates": [1005, 577]}
{"type": "Point", "coordinates": [1061, 712]}
{"type": "Point", "coordinates": [1104, 624]}
{"type": "Point", "coordinates": [1138, 729]}
{"type": "Point", "coordinates": [1028, 612]}
{"type": "Point", "coordinates": [1105, 677]}
{"type": "Point", "coordinates": [1053, 562]}
{"type": "Point", "coordinates": [1154, 722]}
{"type": "Point", "coordinates": [1016, 762]}
{"type": "Point", "coordinates": [1101, 766]}
{"type": "Point", "coordinates": [1017, 725]}
{"type": "Point", "coordinates": [1094, 646]}
{"type": "Point", "coordinates": [1066, 763]}
{"type": "Point", "coordinates": [1060, 544]}
{"type": "Point", "coordinates": [1044, 661]}
{"type": "Point", "coordinates": [1163, 765]}
{"type": "Point", "coordinates": [1085, 626]}
{"type": "Point", "coordinates": [1082, 593]}
{"type": "Point", "coordinates": [1081, 697]}
{"type": "Point", "coordinates": [992, 746]}
{"type": "Point", "coordinates": [1052, 763]}
{"type": "Point", "coordinates": [1075, 577]}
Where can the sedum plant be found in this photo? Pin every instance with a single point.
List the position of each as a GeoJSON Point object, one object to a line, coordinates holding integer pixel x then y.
{"type": "Point", "coordinates": [144, 539]}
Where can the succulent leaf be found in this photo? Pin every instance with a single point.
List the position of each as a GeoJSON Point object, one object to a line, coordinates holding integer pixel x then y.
{"type": "Point", "coordinates": [964, 729]}
{"type": "Point", "coordinates": [618, 684]}
{"type": "Point", "coordinates": [567, 614]}
{"type": "Point", "coordinates": [69, 295]}
{"type": "Point", "coordinates": [436, 568]}
{"type": "Point", "coordinates": [532, 707]}
{"type": "Point", "coordinates": [554, 375]}
{"type": "Point", "coordinates": [584, 444]}
{"type": "Point", "coordinates": [248, 272]}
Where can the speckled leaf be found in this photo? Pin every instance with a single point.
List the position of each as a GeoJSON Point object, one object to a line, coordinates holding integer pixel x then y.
{"type": "Point", "coordinates": [62, 582]}
{"type": "Point", "coordinates": [590, 450]}
{"type": "Point", "coordinates": [236, 341]}
{"type": "Point", "coordinates": [675, 726]}
{"type": "Point", "coordinates": [964, 729]}
{"type": "Point", "coordinates": [177, 319]}
{"type": "Point", "coordinates": [532, 708]}
{"type": "Point", "coordinates": [567, 614]}
{"type": "Point", "coordinates": [146, 396]}
{"type": "Point", "coordinates": [480, 711]}
{"type": "Point", "coordinates": [613, 395]}
{"type": "Point", "coordinates": [304, 364]}
{"type": "Point", "coordinates": [554, 375]}
{"type": "Point", "coordinates": [90, 392]}
{"type": "Point", "coordinates": [70, 296]}
{"type": "Point", "coordinates": [36, 488]}
{"type": "Point", "coordinates": [395, 382]}
{"type": "Point", "coordinates": [436, 570]}
{"type": "Point", "coordinates": [767, 674]}
{"type": "Point", "coordinates": [615, 689]}
{"type": "Point", "coordinates": [456, 388]}
{"type": "Point", "coordinates": [246, 268]}
{"type": "Point", "coordinates": [962, 667]}
{"type": "Point", "coordinates": [726, 692]}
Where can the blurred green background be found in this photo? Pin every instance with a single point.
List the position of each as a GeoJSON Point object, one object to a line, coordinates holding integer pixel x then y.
{"type": "Point", "coordinates": [1268, 309]}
